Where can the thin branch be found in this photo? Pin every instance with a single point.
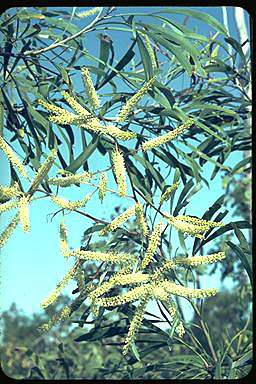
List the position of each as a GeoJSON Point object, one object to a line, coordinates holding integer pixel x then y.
{"type": "Point", "coordinates": [55, 45]}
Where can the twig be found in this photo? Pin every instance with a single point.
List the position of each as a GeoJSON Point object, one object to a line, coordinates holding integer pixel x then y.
{"type": "Point", "coordinates": [55, 45]}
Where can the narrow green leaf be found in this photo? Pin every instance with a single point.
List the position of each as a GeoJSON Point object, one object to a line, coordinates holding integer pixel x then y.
{"type": "Point", "coordinates": [105, 44]}
{"type": "Point", "coordinates": [145, 57]}
{"type": "Point", "coordinates": [182, 201]}
{"type": "Point", "coordinates": [76, 164]}
{"type": "Point", "coordinates": [237, 47]}
{"type": "Point", "coordinates": [205, 17]}
{"type": "Point", "coordinates": [244, 259]}
{"type": "Point", "coordinates": [159, 180]}
{"type": "Point", "coordinates": [177, 51]}
{"type": "Point", "coordinates": [120, 65]}
{"type": "Point", "coordinates": [217, 371]}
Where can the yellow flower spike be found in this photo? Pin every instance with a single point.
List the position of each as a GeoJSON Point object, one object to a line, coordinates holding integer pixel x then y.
{"type": "Point", "coordinates": [166, 195]}
{"type": "Point", "coordinates": [55, 294]}
{"type": "Point", "coordinates": [171, 307]}
{"type": "Point", "coordinates": [6, 206]}
{"type": "Point", "coordinates": [102, 186]}
{"type": "Point", "coordinates": [118, 279]}
{"type": "Point", "coordinates": [24, 213]}
{"type": "Point", "coordinates": [199, 260]}
{"type": "Point", "coordinates": [190, 225]}
{"type": "Point", "coordinates": [147, 145]}
{"type": "Point", "coordinates": [119, 134]}
{"type": "Point", "coordinates": [153, 244]}
{"type": "Point", "coordinates": [180, 330]}
{"type": "Point", "coordinates": [150, 50]}
{"type": "Point", "coordinates": [118, 220]}
{"type": "Point", "coordinates": [65, 312]}
{"type": "Point", "coordinates": [5, 235]}
{"type": "Point", "coordinates": [90, 12]}
{"type": "Point", "coordinates": [133, 294]}
{"type": "Point", "coordinates": [135, 324]}
{"type": "Point", "coordinates": [159, 292]}
{"type": "Point", "coordinates": [50, 107]}
{"type": "Point", "coordinates": [179, 290]}
{"type": "Point", "coordinates": [43, 170]}
{"type": "Point", "coordinates": [119, 170]}
{"type": "Point", "coordinates": [63, 239]}
{"type": "Point", "coordinates": [74, 104]}
{"type": "Point", "coordinates": [71, 205]}
{"type": "Point", "coordinates": [7, 193]}
{"type": "Point", "coordinates": [142, 224]}
{"type": "Point", "coordinates": [66, 181]}
{"type": "Point", "coordinates": [15, 162]}
{"type": "Point", "coordinates": [131, 103]}
{"type": "Point", "coordinates": [111, 257]}
{"type": "Point", "coordinates": [90, 90]}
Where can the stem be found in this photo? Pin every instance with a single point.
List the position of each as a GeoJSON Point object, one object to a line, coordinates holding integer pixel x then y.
{"type": "Point", "coordinates": [206, 333]}
{"type": "Point", "coordinates": [55, 45]}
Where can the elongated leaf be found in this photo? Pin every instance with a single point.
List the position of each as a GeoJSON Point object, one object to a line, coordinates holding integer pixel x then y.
{"type": "Point", "coordinates": [120, 65]}
{"type": "Point", "coordinates": [105, 45]}
{"type": "Point", "coordinates": [100, 333]}
{"type": "Point", "coordinates": [80, 160]}
{"type": "Point", "coordinates": [205, 17]}
{"type": "Point", "coordinates": [154, 172]}
{"type": "Point", "coordinates": [226, 228]}
{"type": "Point", "coordinates": [177, 51]}
{"type": "Point", "coordinates": [235, 44]}
{"type": "Point", "coordinates": [240, 165]}
{"type": "Point", "coordinates": [174, 38]}
{"type": "Point", "coordinates": [182, 202]}
{"type": "Point", "coordinates": [145, 57]}
{"type": "Point", "coordinates": [243, 256]}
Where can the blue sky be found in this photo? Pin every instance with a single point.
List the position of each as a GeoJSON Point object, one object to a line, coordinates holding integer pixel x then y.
{"type": "Point", "coordinates": [31, 264]}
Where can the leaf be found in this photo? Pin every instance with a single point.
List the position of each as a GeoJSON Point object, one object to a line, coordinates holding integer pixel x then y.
{"type": "Point", "coordinates": [208, 19]}
{"type": "Point", "coordinates": [105, 45]}
{"type": "Point", "coordinates": [120, 65]}
{"type": "Point", "coordinates": [145, 57]}
{"type": "Point", "coordinates": [167, 93]}
{"type": "Point", "coordinates": [246, 357]}
{"type": "Point", "coordinates": [102, 332]}
{"type": "Point", "coordinates": [243, 252]}
{"type": "Point", "coordinates": [226, 228]}
{"type": "Point", "coordinates": [177, 51]}
{"type": "Point", "coordinates": [64, 74]}
{"type": "Point", "coordinates": [240, 165]}
{"type": "Point", "coordinates": [182, 202]}
{"type": "Point", "coordinates": [76, 164]}
{"type": "Point", "coordinates": [237, 47]}
{"type": "Point", "coordinates": [152, 171]}
{"type": "Point", "coordinates": [176, 39]}
{"type": "Point", "coordinates": [217, 371]}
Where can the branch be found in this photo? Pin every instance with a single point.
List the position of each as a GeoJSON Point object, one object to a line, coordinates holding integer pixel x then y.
{"type": "Point", "coordinates": [55, 45]}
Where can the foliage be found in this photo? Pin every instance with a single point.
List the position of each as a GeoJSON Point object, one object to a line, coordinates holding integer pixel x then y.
{"type": "Point", "coordinates": [170, 135]}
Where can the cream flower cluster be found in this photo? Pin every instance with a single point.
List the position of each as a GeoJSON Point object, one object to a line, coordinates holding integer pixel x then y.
{"type": "Point", "coordinates": [70, 179]}
{"type": "Point", "coordinates": [71, 205]}
{"type": "Point", "coordinates": [15, 162]}
{"type": "Point", "coordinates": [191, 225]}
{"type": "Point", "coordinates": [119, 170]}
{"type": "Point", "coordinates": [118, 220]}
{"type": "Point", "coordinates": [130, 104]}
{"type": "Point", "coordinates": [153, 244]}
{"type": "Point", "coordinates": [167, 137]}
{"type": "Point", "coordinates": [102, 186]}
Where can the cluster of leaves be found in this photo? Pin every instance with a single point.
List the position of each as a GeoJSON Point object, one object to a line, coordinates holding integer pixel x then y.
{"type": "Point", "coordinates": [218, 106]}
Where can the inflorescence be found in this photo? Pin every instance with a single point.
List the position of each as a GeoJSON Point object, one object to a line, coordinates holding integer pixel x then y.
{"type": "Point", "coordinates": [139, 278]}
